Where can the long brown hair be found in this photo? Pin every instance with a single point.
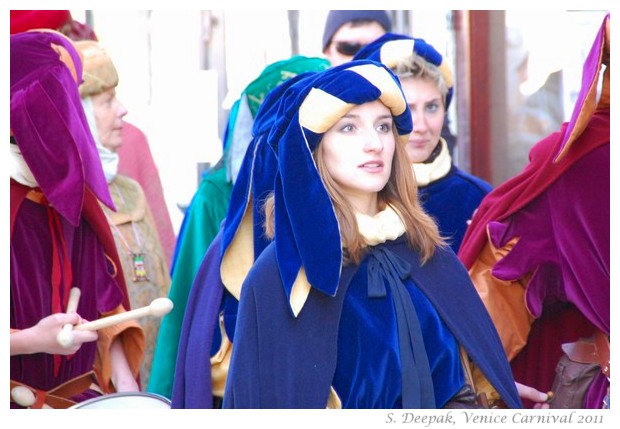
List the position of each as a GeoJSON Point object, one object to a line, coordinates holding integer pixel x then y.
{"type": "Point", "coordinates": [400, 192]}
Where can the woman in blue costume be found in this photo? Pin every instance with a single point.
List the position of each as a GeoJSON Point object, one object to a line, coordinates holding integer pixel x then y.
{"type": "Point", "coordinates": [446, 192]}
{"type": "Point", "coordinates": [209, 321]}
{"type": "Point", "coordinates": [209, 207]}
{"type": "Point", "coordinates": [357, 303]}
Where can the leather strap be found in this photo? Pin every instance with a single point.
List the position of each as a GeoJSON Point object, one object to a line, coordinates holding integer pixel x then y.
{"type": "Point", "coordinates": [590, 351]}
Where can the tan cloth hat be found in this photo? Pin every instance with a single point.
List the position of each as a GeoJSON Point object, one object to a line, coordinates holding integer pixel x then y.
{"type": "Point", "coordinates": [99, 72]}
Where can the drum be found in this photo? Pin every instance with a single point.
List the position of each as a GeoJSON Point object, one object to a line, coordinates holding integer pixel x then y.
{"type": "Point", "coordinates": [125, 400]}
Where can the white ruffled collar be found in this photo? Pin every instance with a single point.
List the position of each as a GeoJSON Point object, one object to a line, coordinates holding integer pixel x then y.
{"type": "Point", "coordinates": [385, 225]}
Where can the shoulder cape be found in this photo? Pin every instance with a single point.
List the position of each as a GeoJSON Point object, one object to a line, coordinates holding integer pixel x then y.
{"type": "Point", "coordinates": [293, 364]}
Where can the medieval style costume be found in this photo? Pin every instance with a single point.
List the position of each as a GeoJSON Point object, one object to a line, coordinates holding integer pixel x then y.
{"type": "Point", "coordinates": [210, 204]}
{"type": "Point", "coordinates": [538, 247]}
{"type": "Point", "coordinates": [211, 314]}
{"type": "Point", "coordinates": [59, 235]}
{"type": "Point", "coordinates": [390, 332]}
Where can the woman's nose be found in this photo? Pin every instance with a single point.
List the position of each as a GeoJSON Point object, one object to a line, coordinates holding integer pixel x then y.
{"type": "Point", "coordinates": [373, 141]}
{"type": "Point", "coordinates": [121, 109]}
{"type": "Point", "coordinates": [419, 122]}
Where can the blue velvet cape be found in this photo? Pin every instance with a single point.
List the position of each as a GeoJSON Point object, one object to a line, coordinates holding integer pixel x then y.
{"type": "Point", "coordinates": [451, 201]}
{"type": "Point", "coordinates": [279, 361]}
{"type": "Point", "coordinates": [192, 378]}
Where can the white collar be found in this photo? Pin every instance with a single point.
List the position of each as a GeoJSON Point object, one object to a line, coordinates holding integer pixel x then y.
{"type": "Point", "coordinates": [435, 170]}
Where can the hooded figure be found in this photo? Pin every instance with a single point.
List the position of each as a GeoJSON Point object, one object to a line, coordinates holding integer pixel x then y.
{"type": "Point", "coordinates": [538, 247]}
{"type": "Point", "coordinates": [59, 236]}
{"type": "Point", "coordinates": [215, 197]}
{"type": "Point", "coordinates": [354, 308]}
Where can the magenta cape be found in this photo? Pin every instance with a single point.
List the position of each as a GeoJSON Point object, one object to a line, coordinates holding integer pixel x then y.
{"type": "Point", "coordinates": [559, 209]}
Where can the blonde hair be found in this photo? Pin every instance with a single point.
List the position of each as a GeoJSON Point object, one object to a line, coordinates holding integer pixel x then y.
{"type": "Point", "coordinates": [400, 193]}
{"type": "Point", "coordinates": [417, 67]}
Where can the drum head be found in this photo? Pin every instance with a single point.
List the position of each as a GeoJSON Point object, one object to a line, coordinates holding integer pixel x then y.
{"type": "Point", "coordinates": [126, 400]}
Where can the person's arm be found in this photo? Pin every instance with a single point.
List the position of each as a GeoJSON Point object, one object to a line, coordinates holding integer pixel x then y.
{"type": "Point", "coordinates": [120, 351]}
{"type": "Point", "coordinates": [41, 338]}
{"type": "Point", "coordinates": [122, 377]}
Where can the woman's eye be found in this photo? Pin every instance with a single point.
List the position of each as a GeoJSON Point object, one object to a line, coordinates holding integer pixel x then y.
{"type": "Point", "coordinates": [346, 128]}
{"type": "Point", "coordinates": [432, 107]}
{"type": "Point", "coordinates": [385, 127]}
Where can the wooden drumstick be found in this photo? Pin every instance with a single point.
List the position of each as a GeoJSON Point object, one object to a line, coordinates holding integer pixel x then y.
{"type": "Point", "coordinates": [65, 336]}
{"type": "Point", "coordinates": [158, 307]}
{"type": "Point", "coordinates": [23, 396]}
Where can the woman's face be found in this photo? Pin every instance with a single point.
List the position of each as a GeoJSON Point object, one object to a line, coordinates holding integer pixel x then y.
{"type": "Point", "coordinates": [358, 152]}
{"type": "Point", "coordinates": [109, 113]}
{"type": "Point", "coordinates": [427, 111]}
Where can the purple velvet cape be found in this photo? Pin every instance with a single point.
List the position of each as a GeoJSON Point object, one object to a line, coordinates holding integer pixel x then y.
{"type": "Point", "coordinates": [565, 242]}
{"type": "Point", "coordinates": [559, 207]}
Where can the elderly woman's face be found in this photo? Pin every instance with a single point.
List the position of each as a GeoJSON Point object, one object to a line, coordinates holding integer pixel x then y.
{"type": "Point", "coordinates": [109, 113]}
{"type": "Point", "coordinates": [428, 112]}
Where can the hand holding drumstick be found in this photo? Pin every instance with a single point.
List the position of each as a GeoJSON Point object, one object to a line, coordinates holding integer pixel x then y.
{"type": "Point", "coordinates": [158, 307]}
{"type": "Point", "coordinates": [45, 336]}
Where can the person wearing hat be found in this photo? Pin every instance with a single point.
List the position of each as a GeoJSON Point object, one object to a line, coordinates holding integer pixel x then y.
{"type": "Point", "coordinates": [211, 203]}
{"type": "Point", "coordinates": [60, 239]}
{"type": "Point", "coordinates": [357, 302]}
{"type": "Point", "coordinates": [347, 31]}
{"type": "Point", "coordinates": [447, 193]}
{"type": "Point", "coordinates": [538, 249]}
{"type": "Point", "coordinates": [135, 157]}
{"type": "Point", "coordinates": [141, 253]}
{"type": "Point", "coordinates": [209, 322]}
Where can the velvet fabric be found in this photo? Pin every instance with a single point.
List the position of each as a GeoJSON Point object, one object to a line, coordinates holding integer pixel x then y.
{"type": "Point", "coordinates": [199, 332]}
{"type": "Point", "coordinates": [254, 182]}
{"type": "Point", "coordinates": [302, 204]}
{"type": "Point", "coordinates": [281, 361]}
{"type": "Point", "coordinates": [564, 244]}
{"type": "Point", "coordinates": [370, 342]}
{"type": "Point", "coordinates": [558, 207]}
{"type": "Point", "coordinates": [257, 173]}
{"type": "Point", "coordinates": [386, 50]}
{"type": "Point", "coordinates": [198, 231]}
{"type": "Point", "coordinates": [544, 166]}
{"type": "Point", "coordinates": [48, 121]}
{"type": "Point", "coordinates": [192, 379]}
{"type": "Point", "coordinates": [241, 124]}
{"type": "Point", "coordinates": [88, 248]}
{"type": "Point", "coordinates": [452, 201]}
{"type": "Point", "coordinates": [31, 294]}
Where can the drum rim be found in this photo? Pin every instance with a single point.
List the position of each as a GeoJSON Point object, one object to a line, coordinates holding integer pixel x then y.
{"type": "Point", "coordinates": [121, 395]}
